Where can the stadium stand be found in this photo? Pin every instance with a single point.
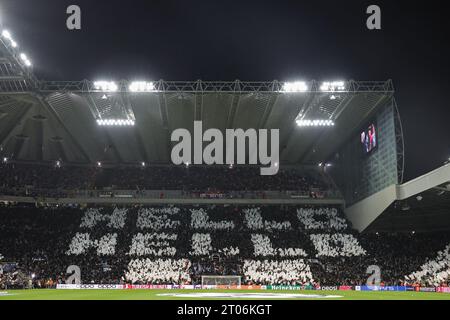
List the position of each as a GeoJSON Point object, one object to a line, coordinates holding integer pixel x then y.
{"type": "Point", "coordinates": [55, 181]}
{"type": "Point", "coordinates": [283, 245]}
{"type": "Point", "coordinates": [87, 179]}
{"type": "Point", "coordinates": [435, 271]}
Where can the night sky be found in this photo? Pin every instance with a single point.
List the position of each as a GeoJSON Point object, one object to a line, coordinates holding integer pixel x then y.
{"type": "Point", "coordinates": [254, 41]}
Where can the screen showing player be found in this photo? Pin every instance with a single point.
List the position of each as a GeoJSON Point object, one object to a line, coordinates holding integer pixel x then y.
{"type": "Point", "coordinates": [369, 139]}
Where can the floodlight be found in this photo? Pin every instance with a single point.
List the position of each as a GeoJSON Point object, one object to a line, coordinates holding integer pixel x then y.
{"type": "Point", "coordinates": [106, 86]}
{"type": "Point", "coordinates": [116, 122]}
{"type": "Point", "coordinates": [315, 123]}
{"type": "Point", "coordinates": [299, 86]}
{"type": "Point", "coordinates": [142, 86]}
{"type": "Point", "coordinates": [5, 160]}
{"type": "Point", "coordinates": [333, 86]}
{"type": "Point", "coordinates": [6, 34]}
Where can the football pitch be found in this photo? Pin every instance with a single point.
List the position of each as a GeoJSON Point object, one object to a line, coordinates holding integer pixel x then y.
{"type": "Point", "coordinates": [215, 295]}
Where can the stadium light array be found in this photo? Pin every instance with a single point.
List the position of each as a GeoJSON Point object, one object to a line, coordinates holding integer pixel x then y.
{"type": "Point", "coordinates": [142, 86]}
{"type": "Point", "coordinates": [299, 86]}
{"type": "Point", "coordinates": [106, 86]}
{"type": "Point", "coordinates": [116, 122]}
{"type": "Point", "coordinates": [333, 86]}
{"type": "Point", "coordinates": [315, 123]}
{"type": "Point", "coordinates": [7, 35]}
{"type": "Point", "coordinates": [25, 59]}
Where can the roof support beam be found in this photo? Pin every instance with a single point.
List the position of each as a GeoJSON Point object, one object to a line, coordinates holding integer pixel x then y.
{"type": "Point", "coordinates": [14, 123]}
{"type": "Point", "coordinates": [113, 146]}
{"type": "Point", "coordinates": [60, 150]}
{"type": "Point", "coordinates": [7, 102]}
{"type": "Point", "coordinates": [198, 107]}
{"type": "Point", "coordinates": [137, 132]}
{"type": "Point", "coordinates": [268, 110]}
{"type": "Point", "coordinates": [46, 105]}
{"type": "Point", "coordinates": [198, 102]}
{"type": "Point", "coordinates": [163, 110]}
{"type": "Point", "coordinates": [233, 110]}
{"type": "Point", "coordinates": [19, 147]}
{"type": "Point", "coordinates": [342, 106]}
{"type": "Point", "coordinates": [284, 145]}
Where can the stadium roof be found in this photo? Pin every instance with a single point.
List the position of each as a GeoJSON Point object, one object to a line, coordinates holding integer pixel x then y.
{"type": "Point", "coordinates": [419, 208]}
{"type": "Point", "coordinates": [428, 211]}
{"type": "Point", "coordinates": [48, 120]}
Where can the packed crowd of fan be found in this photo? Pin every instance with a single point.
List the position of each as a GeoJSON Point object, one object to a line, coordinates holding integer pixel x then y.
{"type": "Point", "coordinates": [200, 178]}
{"type": "Point", "coordinates": [435, 271]}
{"type": "Point", "coordinates": [177, 245]}
{"type": "Point", "coordinates": [273, 272]}
{"type": "Point", "coordinates": [159, 271]}
{"type": "Point", "coordinates": [56, 181]}
{"type": "Point", "coordinates": [33, 178]}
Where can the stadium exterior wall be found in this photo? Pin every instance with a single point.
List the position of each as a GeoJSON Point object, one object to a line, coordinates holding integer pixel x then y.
{"type": "Point", "coordinates": [363, 213]}
{"type": "Point", "coordinates": [360, 175]}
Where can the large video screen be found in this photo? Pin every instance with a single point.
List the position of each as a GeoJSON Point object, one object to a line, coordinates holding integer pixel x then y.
{"type": "Point", "coordinates": [369, 139]}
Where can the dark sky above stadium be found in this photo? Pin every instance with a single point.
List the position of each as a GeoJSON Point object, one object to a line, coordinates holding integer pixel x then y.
{"type": "Point", "coordinates": [254, 40]}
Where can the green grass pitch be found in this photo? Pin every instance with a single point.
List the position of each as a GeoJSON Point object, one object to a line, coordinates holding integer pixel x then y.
{"type": "Point", "coordinates": [157, 295]}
